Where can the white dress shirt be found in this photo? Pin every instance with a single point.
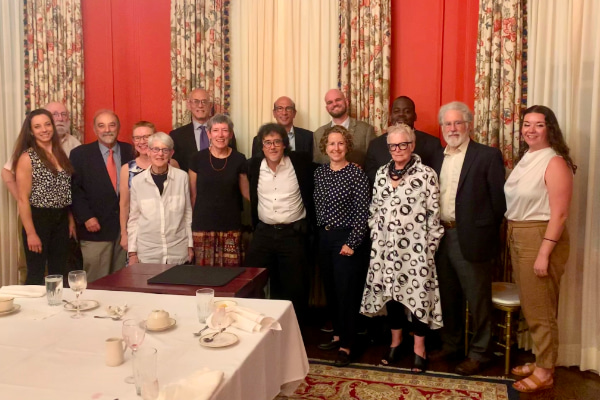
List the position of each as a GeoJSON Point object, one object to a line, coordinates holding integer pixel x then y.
{"type": "Point", "coordinates": [292, 137]}
{"type": "Point", "coordinates": [279, 198]}
{"type": "Point", "coordinates": [449, 177]}
{"type": "Point", "coordinates": [160, 227]}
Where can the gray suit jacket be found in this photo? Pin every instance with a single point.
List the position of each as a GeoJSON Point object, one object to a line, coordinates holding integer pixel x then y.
{"type": "Point", "coordinates": [362, 133]}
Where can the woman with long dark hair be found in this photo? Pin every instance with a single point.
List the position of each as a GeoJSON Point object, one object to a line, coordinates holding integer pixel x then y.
{"type": "Point", "coordinates": [538, 196]}
{"type": "Point", "coordinates": [43, 174]}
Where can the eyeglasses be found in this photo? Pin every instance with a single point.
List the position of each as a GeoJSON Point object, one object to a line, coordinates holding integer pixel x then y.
{"type": "Point", "coordinates": [455, 124]}
{"type": "Point", "coordinates": [197, 102]}
{"type": "Point", "coordinates": [282, 109]}
{"type": "Point", "coordinates": [401, 146]}
{"type": "Point", "coordinates": [64, 115]}
{"type": "Point", "coordinates": [272, 143]}
{"type": "Point", "coordinates": [156, 150]}
{"type": "Point", "coordinates": [140, 138]}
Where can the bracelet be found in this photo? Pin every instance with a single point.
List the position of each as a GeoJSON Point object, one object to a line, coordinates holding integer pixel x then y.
{"type": "Point", "coordinates": [550, 240]}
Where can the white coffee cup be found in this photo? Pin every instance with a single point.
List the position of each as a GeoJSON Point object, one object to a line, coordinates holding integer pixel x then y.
{"type": "Point", "coordinates": [6, 303]}
{"type": "Point", "coordinates": [158, 319]}
{"type": "Point", "coordinates": [115, 349]}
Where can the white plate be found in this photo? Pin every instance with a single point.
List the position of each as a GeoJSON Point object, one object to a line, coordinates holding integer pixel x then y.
{"type": "Point", "coordinates": [172, 323]}
{"type": "Point", "coordinates": [221, 340]}
{"type": "Point", "coordinates": [15, 308]}
{"type": "Point", "coordinates": [226, 303]}
{"type": "Point", "coordinates": [85, 305]}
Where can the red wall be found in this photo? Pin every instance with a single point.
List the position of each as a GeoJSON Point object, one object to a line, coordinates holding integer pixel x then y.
{"type": "Point", "coordinates": [434, 44]}
{"type": "Point", "coordinates": [127, 62]}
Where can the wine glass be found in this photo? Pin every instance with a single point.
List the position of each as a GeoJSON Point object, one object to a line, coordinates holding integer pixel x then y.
{"type": "Point", "coordinates": [134, 331]}
{"type": "Point", "coordinates": [77, 283]}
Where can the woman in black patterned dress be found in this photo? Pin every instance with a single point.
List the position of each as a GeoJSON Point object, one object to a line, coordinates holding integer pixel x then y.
{"type": "Point", "coordinates": [43, 174]}
{"type": "Point", "coordinates": [342, 203]}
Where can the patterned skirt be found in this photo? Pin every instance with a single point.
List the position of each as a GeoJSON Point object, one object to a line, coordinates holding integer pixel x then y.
{"type": "Point", "coordinates": [218, 249]}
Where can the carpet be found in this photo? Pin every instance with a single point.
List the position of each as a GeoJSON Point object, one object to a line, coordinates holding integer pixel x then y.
{"type": "Point", "coordinates": [366, 382]}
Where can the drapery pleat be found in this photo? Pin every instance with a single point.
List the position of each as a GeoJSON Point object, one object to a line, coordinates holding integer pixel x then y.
{"type": "Point", "coordinates": [498, 76]}
{"type": "Point", "coordinates": [199, 54]}
{"type": "Point", "coordinates": [54, 57]}
{"type": "Point", "coordinates": [364, 65]}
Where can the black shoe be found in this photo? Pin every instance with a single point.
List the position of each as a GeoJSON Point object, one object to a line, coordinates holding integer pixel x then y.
{"type": "Point", "coordinates": [392, 356]}
{"type": "Point", "coordinates": [419, 364]}
{"type": "Point", "coordinates": [333, 345]}
{"type": "Point", "coordinates": [343, 359]}
{"type": "Point", "coordinates": [469, 366]}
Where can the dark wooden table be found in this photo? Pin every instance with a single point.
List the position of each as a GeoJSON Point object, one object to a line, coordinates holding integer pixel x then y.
{"type": "Point", "coordinates": [249, 283]}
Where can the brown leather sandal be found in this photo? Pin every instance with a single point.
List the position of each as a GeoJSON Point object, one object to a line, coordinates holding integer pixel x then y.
{"type": "Point", "coordinates": [523, 370]}
{"type": "Point", "coordinates": [524, 387]}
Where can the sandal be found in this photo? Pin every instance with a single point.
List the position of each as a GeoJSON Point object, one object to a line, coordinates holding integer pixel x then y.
{"type": "Point", "coordinates": [392, 356]}
{"type": "Point", "coordinates": [419, 364]}
{"type": "Point", "coordinates": [523, 370]}
{"type": "Point", "coordinates": [538, 385]}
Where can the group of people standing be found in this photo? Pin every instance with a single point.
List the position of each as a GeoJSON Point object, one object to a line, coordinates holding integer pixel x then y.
{"type": "Point", "coordinates": [402, 226]}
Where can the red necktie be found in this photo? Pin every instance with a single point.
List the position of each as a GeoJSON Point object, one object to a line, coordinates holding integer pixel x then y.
{"type": "Point", "coordinates": [112, 169]}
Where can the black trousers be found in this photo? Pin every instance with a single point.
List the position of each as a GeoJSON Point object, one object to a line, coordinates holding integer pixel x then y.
{"type": "Point", "coordinates": [343, 280]}
{"type": "Point", "coordinates": [52, 226]}
{"type": "Point", "coordinates": [396, 318]}
{"type": "Point", "coordinates": [282, 250]}
{"type": "Point", "coordinates": [460, 280]}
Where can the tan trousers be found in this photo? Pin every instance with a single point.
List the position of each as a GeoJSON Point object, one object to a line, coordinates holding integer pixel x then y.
{"type": "Point", "coordinates": [539, 295]}
{"type": "Point", "coordinates": [102, 258]}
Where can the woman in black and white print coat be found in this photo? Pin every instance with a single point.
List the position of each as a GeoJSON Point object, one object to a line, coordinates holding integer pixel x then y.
{"type": "Point", "coordinates": [404, 219]}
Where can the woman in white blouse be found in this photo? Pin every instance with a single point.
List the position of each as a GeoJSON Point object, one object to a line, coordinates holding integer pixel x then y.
{"type": "Point", "coordinates": [538, 196]}
{"type": "Point", "coordinates": [159, 229]}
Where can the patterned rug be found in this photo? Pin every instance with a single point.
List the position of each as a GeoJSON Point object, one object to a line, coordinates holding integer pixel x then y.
{"type": "Point", "coordinates": [365, 382]}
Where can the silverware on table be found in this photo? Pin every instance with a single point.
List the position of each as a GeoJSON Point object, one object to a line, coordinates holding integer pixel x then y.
{"type": "Point", "coordinates": [113, 317]}
{"type": "Point", "coordinates": [211, 338]}
{"type": "Point", "coordinates": [199, 333]}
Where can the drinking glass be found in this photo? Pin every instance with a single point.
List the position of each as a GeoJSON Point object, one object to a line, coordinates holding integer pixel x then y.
{"type": "Point", "coordinates": [77, 283]}
{"type": "Point", "coordinates": [204, 303]}
{"type": "Point", "coordinates": [54, 288]}
{"type": "Point", "coordinates": [134, 331]}
{"type": "Point", "coordinates": [219, 318]}
{"type": "Point", "coordinates": [144, 370]}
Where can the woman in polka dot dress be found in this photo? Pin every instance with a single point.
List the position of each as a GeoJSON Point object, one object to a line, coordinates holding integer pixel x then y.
{"type": "Point", "coordinates": [404, 219]}
{"type": "Point", "coordinates": [342, 204]}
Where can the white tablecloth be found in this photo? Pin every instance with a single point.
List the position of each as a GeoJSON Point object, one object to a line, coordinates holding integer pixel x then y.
{"type": "Point", "coordinates": [45, 354]}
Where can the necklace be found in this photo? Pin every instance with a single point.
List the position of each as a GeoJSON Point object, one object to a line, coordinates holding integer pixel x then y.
{"type": "Point", "coordinates": [210, 157]}
{"type": "Point", "coordinates": [159, 173]}
{"type": "Point", "coordinates": [397, 174]}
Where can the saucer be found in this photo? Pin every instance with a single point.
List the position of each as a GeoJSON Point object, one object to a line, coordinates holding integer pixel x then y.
{"type": "Point", "coordinates": [172, 323]}
{"type": "Point", "coordinates": [226, 303]}
{"type": "Point", "coordinates": [15, 308]}
{"type": "Point", "coordinates": [85, 305]}
{"type": "Point", "coordinates": [222, 340]}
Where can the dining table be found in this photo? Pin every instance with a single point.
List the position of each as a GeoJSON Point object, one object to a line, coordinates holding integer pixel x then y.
{"type": "Point", "coordinates": [46, 354]}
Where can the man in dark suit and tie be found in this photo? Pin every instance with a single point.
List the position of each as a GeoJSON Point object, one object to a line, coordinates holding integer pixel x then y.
{"type": "Point", "coordinates": [471, 178]}
{"type": "Point", "coordinates": [284, 111]}
{"type": "Point", "coordinates": [191, 138]}
{"type": "Point", "coordinates": [95, 188]}
{"type": "Point", "coordinates": [403, 111]}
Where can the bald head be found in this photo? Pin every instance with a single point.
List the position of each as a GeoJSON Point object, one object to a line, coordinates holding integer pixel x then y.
{"type": "Point", "coordinates": [284, 112]}
{"type": "Point", "coordinates": [61, 117]}
{"type": "Point", "coordinates": [199, 105]}
{"type": "Point", "coordinates": [336, 104]}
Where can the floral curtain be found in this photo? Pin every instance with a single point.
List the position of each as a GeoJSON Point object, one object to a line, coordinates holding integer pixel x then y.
{"type": "Point", "coordinates": [364, 70]}
{"type": "Point", "coordinates": [54, 57]}
{"type": "Point", "coordinates": [498, 76]}
{"type": "Point", "coordinates": [199, 54]}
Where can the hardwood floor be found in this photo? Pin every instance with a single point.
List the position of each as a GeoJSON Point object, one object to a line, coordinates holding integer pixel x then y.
{"type": "Point", "coordinates": [570, 383]}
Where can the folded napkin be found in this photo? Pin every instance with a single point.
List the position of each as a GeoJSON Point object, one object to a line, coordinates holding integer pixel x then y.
{"type": "Point", "coordinates": [198, 386]}
{"type": "Point", "coordinates": [23, 290]}
{"type": "Point", "coordinates": [247, 320]}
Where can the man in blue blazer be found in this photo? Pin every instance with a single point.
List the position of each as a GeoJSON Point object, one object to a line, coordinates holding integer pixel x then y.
{"type": "Point", "coordinates": [95, 188]}
{"type": "Point", "coordinates": [284, 112]}
{"type": "Point", "coordinates": [471, 178]}
{"type": "Point", "coordinates": [191, 138]}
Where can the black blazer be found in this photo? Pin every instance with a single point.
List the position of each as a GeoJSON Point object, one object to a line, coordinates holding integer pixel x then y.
{"type": "Point", "coordinates": [378, 154]}
{"type": "Point", "coordinates": [93, 192]}
{"type": "Point", "coordinates": [304, 168]}
{"type": "Point", "coordinates": [480, 201]}
{"type": "Point", "coordinates": [304, 142]}
{"type": "Point", "coordinates": [185, 145]}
